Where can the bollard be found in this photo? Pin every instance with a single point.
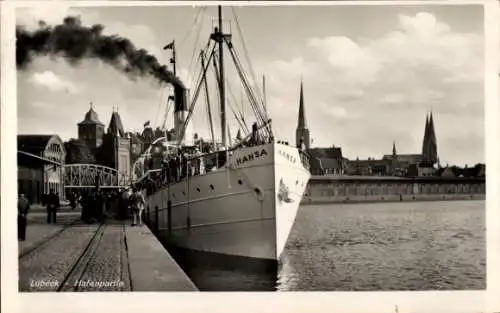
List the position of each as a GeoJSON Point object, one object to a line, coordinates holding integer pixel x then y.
{"type": "Point", "coordinates": [157, 227]}
{"type": "Point", "coordinates": [169, 215]}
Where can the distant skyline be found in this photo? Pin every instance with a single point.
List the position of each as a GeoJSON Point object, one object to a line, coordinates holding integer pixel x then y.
{"type": "Point", "coordinates": [370, 73]}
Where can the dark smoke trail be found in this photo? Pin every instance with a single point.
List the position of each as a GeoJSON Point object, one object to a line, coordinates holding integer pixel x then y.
{"type": "Point", "coordinates": [76, 42]}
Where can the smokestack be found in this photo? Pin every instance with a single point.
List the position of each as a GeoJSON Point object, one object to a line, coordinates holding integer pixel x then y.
{"type": "Point", "coordinates": [181, 113]}
{"type": "Point", "coordinates": [180, 98]}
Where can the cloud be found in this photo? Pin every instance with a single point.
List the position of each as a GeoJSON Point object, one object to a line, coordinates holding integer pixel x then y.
{"type": "Point", "coordinates": [344, 55]}
{"type": "Point", "coordinates": [52, 82]}
{"type": "Point", "coordinates": [51, 12]}
{"type": "Point", "coordinates": [420, 65]}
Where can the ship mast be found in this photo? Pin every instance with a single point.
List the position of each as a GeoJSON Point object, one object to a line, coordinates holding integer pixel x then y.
{"type": "Point", "coordinates": [222, 79]}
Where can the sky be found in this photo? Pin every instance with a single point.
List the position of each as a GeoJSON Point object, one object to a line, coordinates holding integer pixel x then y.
{"type": "Point", "coordinates": [370, 73]}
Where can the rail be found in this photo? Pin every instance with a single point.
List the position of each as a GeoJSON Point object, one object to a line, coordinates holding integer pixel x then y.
{"type": "Point", "coordinates": [45, 241]}
{"type": "Point", "coordinates": [78, 269]}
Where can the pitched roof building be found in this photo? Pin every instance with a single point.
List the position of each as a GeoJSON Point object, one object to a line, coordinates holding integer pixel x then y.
{"type": "Point", "coordinates": [115, 125]}
{"type": "Point", "coordinates": [40, 163]}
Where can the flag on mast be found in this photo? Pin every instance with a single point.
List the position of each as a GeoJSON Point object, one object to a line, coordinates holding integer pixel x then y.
{"type": "Point", "coordinates": [147, 123]}
{"type": "Point", "coordinates": [170, 45]}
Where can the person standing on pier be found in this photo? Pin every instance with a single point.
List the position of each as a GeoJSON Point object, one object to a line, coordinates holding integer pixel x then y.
{"type": "Point", "coordinates": [177, 167]}
{"type": "Point", "coordinates": [164, 171]}
{"type": "Point", "coordinates": [184, 166]}
{"type": "Point", "coordinates": [125, 203]}
{"type": "Point", "coordinates": [168, 172]}
{"type": "Point", "coordinates": [23, 206]}
{"type": "Point", "coordinates": [52, 206]}
{"type": "Point", "coordinates": [137, 200]}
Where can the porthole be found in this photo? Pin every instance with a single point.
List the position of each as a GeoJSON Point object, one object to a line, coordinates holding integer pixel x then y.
{"type": "Point", "coordinates": [259, 193]}
{"type": "Point", "coordinates": [183, 193]}
{"type": "Point", "coordinates": [198, 189]}
{"type": "Point", "coordinates": [240, 182]}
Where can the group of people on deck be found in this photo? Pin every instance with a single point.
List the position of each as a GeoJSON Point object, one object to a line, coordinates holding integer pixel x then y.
{"type": "Point", "coordinates": [176, 167]}
{"type": "Point", "coordinates": [193, 161]}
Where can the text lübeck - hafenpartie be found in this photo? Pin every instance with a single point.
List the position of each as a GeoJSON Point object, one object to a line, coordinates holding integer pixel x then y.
{"type": "Point", "coordinates": [78, 283]}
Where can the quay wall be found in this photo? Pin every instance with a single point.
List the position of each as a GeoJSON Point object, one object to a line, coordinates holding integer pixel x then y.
{"type": "Point", "coordinates": [354, 189]}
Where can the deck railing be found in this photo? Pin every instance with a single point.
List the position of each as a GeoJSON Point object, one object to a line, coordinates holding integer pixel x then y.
{"type": "Point", "coordinates": [304, 158]}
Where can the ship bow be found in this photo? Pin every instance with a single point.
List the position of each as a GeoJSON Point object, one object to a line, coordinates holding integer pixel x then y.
{"type": "Point", "coordinates": [290, 179]}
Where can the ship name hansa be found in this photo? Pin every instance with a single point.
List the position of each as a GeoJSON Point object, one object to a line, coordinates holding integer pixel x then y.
{"type": "Point", "coordinates": [287, 156]}
{"type": "Point", "coordinates": [251, 156]}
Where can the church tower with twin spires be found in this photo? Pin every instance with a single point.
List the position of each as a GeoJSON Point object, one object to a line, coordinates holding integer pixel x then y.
{"type": "Point", "coordinates": [113, 148]}
{"type": "Point", "coordinates": [302, 132]}
{"type": "Point", "coordinates": [429, 145]}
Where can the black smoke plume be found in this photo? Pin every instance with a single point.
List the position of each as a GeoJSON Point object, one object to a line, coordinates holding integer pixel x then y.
{"type": "Point", "coordinates": [75, 42]}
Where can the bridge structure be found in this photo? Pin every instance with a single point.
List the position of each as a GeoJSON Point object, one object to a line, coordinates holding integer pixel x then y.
{"type": "Point", "coordinates": [84, 175]}
{"type": "Point", "coordinates": [90, 175]}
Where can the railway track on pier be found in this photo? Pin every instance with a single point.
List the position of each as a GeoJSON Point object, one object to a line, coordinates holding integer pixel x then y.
{"type": "Point", "coordinates": [77, 270]}
{"type": "Point", "coordinates": [45, 241]}
{"type": "Point", "coordinates": [78, 258]}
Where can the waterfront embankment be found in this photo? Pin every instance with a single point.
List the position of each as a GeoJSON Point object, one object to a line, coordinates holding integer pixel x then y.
{"type": "Point", "coordinates": [359, 189]}
{"type": "Point", "coordinates": [392, 198]}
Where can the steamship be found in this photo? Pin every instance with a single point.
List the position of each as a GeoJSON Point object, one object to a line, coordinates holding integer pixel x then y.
{"type": "Point", "coordinates": [240, 203]}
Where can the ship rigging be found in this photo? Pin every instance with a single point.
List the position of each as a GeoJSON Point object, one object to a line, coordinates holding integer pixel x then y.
{"type": "Point", "coordinates": [211, 57]}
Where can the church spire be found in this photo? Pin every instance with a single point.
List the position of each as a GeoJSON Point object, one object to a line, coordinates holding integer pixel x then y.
{"type": "Point", "coordinates": [432, 134]}
{"type": "Point", "coordinates": [302, 136]}
{"type": "Point", "coordinates": [302, 123]}
{"type": "Point", "coordinates": [426, 135]}
{"type": "Point", "coordinates": [429, 148]}
{"type": "Point", "coordinates": [394, 159]}
{"type": "Point", "coordinates": [432, 141]}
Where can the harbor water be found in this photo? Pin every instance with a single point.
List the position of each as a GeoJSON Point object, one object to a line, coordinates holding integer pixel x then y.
{"type": "Point", "coordinates": [372, 247]}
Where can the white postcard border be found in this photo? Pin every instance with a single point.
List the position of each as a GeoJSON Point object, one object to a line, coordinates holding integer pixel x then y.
{"type": "Point", "coordinates": [344, 302]}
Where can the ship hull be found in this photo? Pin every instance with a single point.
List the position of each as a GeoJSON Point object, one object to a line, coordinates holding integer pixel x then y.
{"type": "Point", "coordinates": [233, 217]}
